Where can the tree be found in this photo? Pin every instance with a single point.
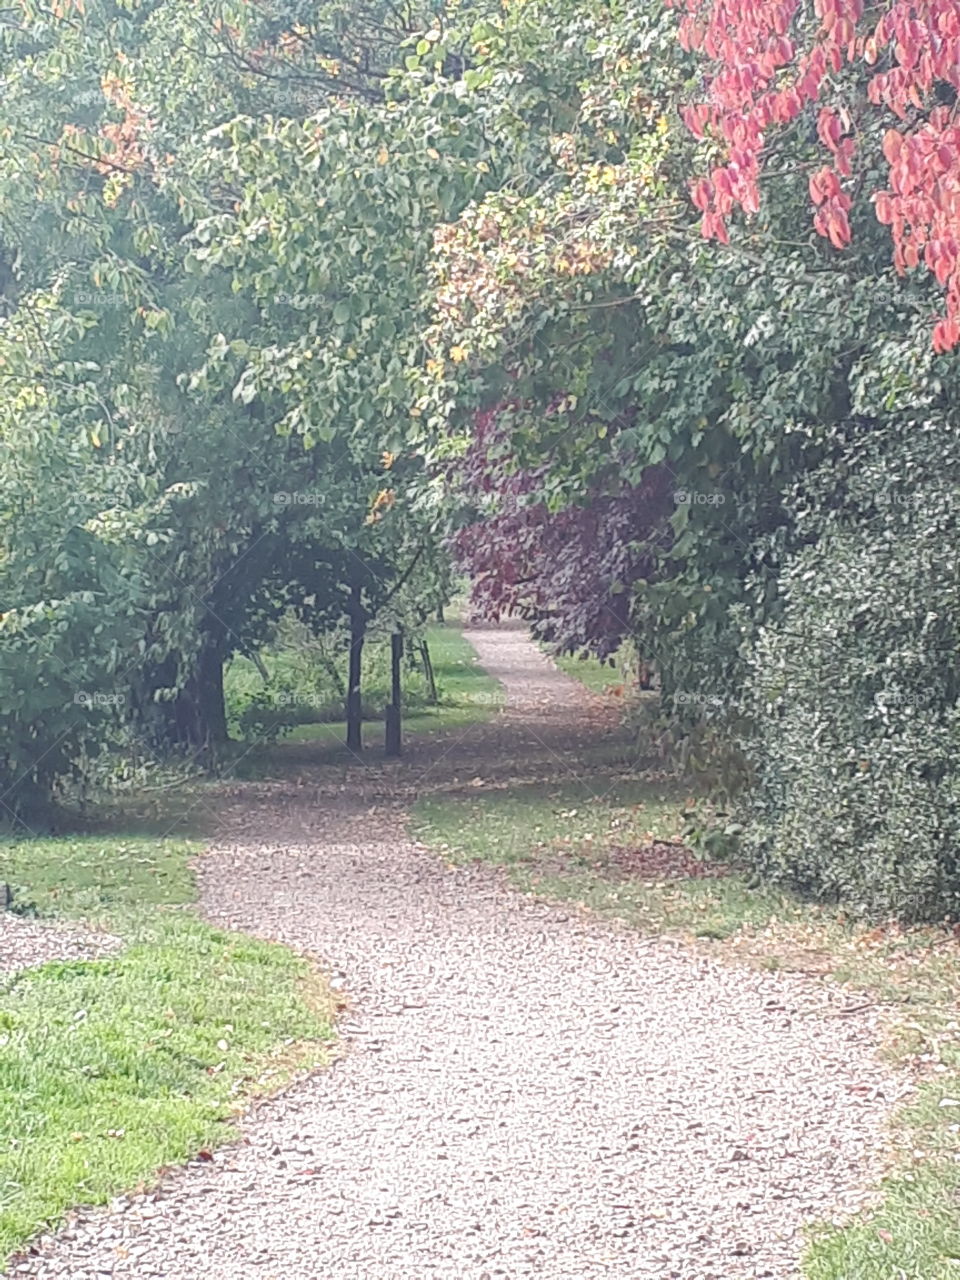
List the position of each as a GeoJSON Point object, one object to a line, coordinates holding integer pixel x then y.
{"type": "Point", "coordinates": [883, 81]}
{"type": "Point", "coordinates": [107, 167]}
{"type": "Point", "coordinates": [571, 572]}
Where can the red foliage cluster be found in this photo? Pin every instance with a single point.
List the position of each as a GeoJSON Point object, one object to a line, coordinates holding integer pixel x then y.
{"type": "Point", "coordinates": [772, 60]}
{"type": "Point", "coordinates": [567, 572]}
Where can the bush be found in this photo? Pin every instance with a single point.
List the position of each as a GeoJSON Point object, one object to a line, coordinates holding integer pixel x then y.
{"type": "Point", "coordinates": [853, 692]}
{"type": "Point", "coordinates": [62, 696]}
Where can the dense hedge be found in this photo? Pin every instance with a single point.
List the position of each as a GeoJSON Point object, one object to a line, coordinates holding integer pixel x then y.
{"type": "Point", "coordinates": [852, 692]}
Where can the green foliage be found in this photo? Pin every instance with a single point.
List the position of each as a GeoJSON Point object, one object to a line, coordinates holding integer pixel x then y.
{"type": "Point", "coordinates": [306, 683]}
{"type": "Point", "coordinates": [261, 267]}
{"type": "Point", "coordinates": [163, 503]}
{"type": "Point", "coordinates": [806, 668]}
{"type": "Point", "coordinates": [854, 689]}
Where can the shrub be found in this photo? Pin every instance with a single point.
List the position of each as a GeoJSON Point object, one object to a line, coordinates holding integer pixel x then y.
{"type": "Point", "coordinates": [853, 691]}
{"type": "Point", "coordinates": [62, 695]}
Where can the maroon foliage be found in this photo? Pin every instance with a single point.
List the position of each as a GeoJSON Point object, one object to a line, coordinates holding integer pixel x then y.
{"type": "Point", "coordinates": [568, 572]}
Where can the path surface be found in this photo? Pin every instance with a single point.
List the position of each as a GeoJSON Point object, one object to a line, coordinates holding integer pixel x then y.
{"type": "Point", "coordinates": [523, 1091]}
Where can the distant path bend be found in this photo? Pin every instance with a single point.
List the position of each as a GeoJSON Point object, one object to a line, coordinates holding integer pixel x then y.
{"type": "Point", "coordinates": [524, 1091]}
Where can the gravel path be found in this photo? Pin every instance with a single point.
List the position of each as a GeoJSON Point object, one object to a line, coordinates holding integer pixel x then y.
{"type": "Point", "coordinates": [25, 943]}
{"type": "Point", "coordinates": [522, 1091]}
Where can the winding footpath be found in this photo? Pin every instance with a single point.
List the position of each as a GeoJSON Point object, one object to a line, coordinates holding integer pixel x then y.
{"type": "Point", "coordinates": [521, 1089]}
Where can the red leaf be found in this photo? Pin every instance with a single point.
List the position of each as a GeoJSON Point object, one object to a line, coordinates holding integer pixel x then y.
{"type": "Point", "coordinates": [892, 145]}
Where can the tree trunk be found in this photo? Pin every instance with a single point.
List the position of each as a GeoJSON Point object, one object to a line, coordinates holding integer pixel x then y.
{"type": "Point", "coordinates": [211, 703]}
{"type": "Point", "coordinates": [392, 744]}
{"type": "Point", "coordinates": [358, 631]}
{"type": "Point", "coordinates": [428, 672]}
{"type": "Point", "coordinates": [195, 719]}
{"type": "Point", "coordinates": [199, 711]}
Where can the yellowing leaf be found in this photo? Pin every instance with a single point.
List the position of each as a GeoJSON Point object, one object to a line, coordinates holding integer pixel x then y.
{"type": "Point", "coordinates": [458, 354]}
{"type": "Point", "coordinates": [383, 155]}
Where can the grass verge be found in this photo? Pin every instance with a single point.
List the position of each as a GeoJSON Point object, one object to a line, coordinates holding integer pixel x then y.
{"type": "Point", "coordinates": [594, 674]}
{"type": "Point", "coordinates": [112, 1068]}
{"type": "Point", "coordinates": [565, 842]}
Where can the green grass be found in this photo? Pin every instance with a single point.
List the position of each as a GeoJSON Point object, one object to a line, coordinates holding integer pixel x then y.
{"type": "Point", "coordinates": [516, 824]}
{"type": "Point", "coordinates": [914, 1231]}
{"type": "Point", "coordinates": [914, 1234]}
{"type": "Point", "coordinates": [594, 674]}
{"type": "Point", "coordinates": [101, 877]}
{"type": "Point", "coordinates": [113, 1068]}
{"type": "Point", "coordinates": [557, 841]}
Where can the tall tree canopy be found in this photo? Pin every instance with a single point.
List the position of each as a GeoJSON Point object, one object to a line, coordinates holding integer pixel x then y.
{"type": "Point", "coordinates": [880, 83]}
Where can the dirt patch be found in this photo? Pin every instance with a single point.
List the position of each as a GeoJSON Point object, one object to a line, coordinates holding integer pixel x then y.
{"type": "Point", "coordinates": [662, 860]}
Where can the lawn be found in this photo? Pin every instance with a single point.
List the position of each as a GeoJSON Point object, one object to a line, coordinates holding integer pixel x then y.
{"type": "Point", "coordinates": [563, 840]}
{"type": "Point", "coordinates": [467, 695]}
{"type": "Point", "coordinates": [594, 674]}
{"type": "Point", "coordinates": [113, 1068]}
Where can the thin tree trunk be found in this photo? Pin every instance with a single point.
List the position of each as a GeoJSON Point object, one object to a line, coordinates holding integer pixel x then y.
{"type": "Point", "coordinates": [428, 672]}
{"type": "Point", "coordinates": [358, 631]}
{"type": "Point", "coordinates": [392, 743]}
